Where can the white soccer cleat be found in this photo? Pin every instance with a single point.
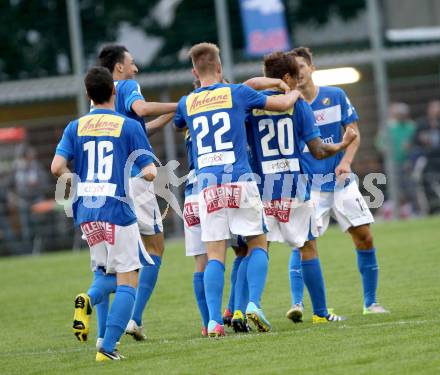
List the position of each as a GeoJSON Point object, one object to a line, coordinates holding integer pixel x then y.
{"type": "Point", "coordinates": [375, 308]}
{"type": "Point", "coordinates": [136, 331]}
{"type": "Point", "coordinates": [295, 314]}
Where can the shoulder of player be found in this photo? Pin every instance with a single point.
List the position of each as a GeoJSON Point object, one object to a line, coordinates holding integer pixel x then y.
{"type": "Point", "coordinates": [127, 84]}
{"type": "Point", "coordinates": [332, 91]}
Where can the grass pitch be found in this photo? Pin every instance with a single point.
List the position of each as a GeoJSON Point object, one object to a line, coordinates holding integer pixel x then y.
{"type": "Point", "coordinates": [37, 307]}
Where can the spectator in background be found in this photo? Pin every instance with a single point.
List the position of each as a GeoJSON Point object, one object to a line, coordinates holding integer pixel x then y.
{"type": "Point", "coordinates": [401, 130]}
{"type": "Point", "coordinates": [31, 182]}
{"type": "Point", "coordinates": [427, 159]}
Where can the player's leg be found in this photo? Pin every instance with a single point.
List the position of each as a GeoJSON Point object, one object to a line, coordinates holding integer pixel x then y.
{"type": "Point", "coordinates": [257, 269]}
{"type": "Point", "coordinates": [126, 255]}
{"type": "Point", "coordinates": [151, 230]}
{"type": "Point", "coordinates": [119, 314]}
{"type": "Point", "coordinates": [354, 216]}
{"type": "Point", "coordinates": [240, 253]}
{"type": "Point", "coordinates": [199, 290]}
{"type": "Point", "coordinates": [368, 267]}
{"type": "Point", "coordinates": [103, 284]}
{"type": "Point", "coordinates": [214, 280]}
{"type": "Point", "coordinates": [148, 275]}
{"type": "Point", "coordinates": [296, 286]}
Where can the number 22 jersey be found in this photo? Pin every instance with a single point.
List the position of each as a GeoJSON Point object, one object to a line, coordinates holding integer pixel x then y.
{"type": "Point", "coordinates": [215, 116]}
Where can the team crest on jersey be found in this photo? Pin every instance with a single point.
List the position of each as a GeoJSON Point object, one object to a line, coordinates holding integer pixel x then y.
{"type": "Point", "coordinates": [191, 213]}
{"type": "Point", "coordinates": [98, 231]}
{"type": "Point", "coordinates": [326, 101]}
{"type": "Point", "coordinates": [222, 196]}
{"type": "Point", "coordinates": [209, 100]}
{"type": "Point", "coordinates": [99, 125]}
{"type": "Point", "coordinates": [279, 208]}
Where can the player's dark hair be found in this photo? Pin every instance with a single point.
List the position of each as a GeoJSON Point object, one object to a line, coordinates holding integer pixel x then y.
{"type": "Point", "coordinates": [111, 55]}
{"type": "Point", "coordinates": [205, 57]}
{"type": "Point", "coordinates": [99, 84]}
{"type": "Point", "coordinates": [278, 64]}
{"type": "Point", "coordinates": [303, 52]}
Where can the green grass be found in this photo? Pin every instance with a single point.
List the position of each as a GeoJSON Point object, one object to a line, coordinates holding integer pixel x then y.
{"type": "Point", "coordinates": [37, 307]}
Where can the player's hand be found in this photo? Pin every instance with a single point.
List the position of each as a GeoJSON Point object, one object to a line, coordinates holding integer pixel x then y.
{"type": "Point", "coordinates": [343, 167]}
{"type": "Point", "coordinates": [283, 86]}
{"type": "Point", "coordinates": [349, 136]}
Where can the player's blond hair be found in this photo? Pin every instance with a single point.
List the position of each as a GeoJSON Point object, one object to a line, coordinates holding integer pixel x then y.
{"type": "Point", "coordinates": [205, 57]}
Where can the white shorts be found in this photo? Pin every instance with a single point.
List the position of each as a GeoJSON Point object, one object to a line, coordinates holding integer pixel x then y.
{"type": "Point", "coordinates": [347, 206]}
{"type": "Point", "coordinates": [115, 248]}
{"type": "Point", "coordinates": [191, 223]}
{"type": "Point", "coordinates": [290, 221]}
{"type": "Point", "coordinates": [146, 208]}
{"type": "Point", "coordinates": [231, 208]}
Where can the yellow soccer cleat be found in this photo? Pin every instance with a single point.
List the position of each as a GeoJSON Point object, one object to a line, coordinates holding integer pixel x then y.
{"type": "Point", "coordinates": [81, 318]}
{"type": "Point", "coordinates": [330, 318]}
{"type": "Point", "coordinates": [102, 356]}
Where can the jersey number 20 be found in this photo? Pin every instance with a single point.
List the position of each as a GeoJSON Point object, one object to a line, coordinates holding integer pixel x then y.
{"type": "Point", "coordinates": [285, 144]}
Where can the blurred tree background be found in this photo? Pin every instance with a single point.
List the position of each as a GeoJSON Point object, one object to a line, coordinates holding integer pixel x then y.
{"type": "Point", "coordinates": [35, 38]}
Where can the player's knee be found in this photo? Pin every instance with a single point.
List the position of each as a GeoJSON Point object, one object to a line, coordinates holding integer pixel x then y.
{"type": "Point", "coordinates": [363, 240]}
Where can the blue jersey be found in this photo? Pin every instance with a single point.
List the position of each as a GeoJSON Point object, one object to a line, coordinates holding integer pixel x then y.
{"type": "Point", "coordinates": [127, 92]}
{"type": "Point", "coordinates": [215, 116]}
{"type": "Point", "coordinates": [100, 144]}
{"type": "Point", "coordinates": [190, 188]}
{"type": "Point", "coordinates": [332, 110]}
{"type": "Point", "coordinates": [276, 140]}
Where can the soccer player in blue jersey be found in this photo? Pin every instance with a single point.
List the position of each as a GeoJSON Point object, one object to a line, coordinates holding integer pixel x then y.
{"type": "Point", "coordinates": [334, 114]}
{"type": "Point", "coordinates": [101, 144]}
{"type": "Point", "coordinates": [228, 200]}
{"type": "Point", "coordinates": [131, 103]}
{"type": "Point", "coordinates": [276, 141]}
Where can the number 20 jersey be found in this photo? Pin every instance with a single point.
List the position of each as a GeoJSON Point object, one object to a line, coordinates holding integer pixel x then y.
{"type": "Point", "coordinates": [215, 116]}
{"type": "Point", "coordinates": [276, 140]}
{"type": "Point", "coordinates": [99, 144]}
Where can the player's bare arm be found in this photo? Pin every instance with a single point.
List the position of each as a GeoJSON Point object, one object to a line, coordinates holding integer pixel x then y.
{"type": "Point", "coordinates": [59, 166]}
{"type": "Point", "coordinates": [280, 103]}
{"type": "Point", "coordinates": [264, 83]}
{"type": "Point", "coordinates": [143, 108]}
{"type": "Point", "coordinates": [321, 150]}
{"type": "Point", "coordinates": [344, 165]}
{"type": "Point", "coordinates": [156, 125]}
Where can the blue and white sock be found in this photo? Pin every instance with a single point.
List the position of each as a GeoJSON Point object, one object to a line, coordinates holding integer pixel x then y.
{"type": "Point", "coordinates": [296, 277]}
{"type": "Point", "coordinates": [234, 271]}
{"type": "Point", "coordinates": [119, 316]}
{"type": "Point", "coordinates": [256, 274]}
{"type": "Point", "coordinates": [241, 293]}
{"type": "Point", "coordinates": [369, 270]}
{"type": "Point", "coordinates": [147, 282]}
{"type": "Point", "coordinates": [314, 282]}
{"type": "Point", "coordinates": [199, 292]}
{"type": "Point", "coordinates": [214, 280]}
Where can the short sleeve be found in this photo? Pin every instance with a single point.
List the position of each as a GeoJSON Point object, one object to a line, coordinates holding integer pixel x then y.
{"type": "Point", "coordinates": [304, 113]}
{"type": "Point", "coordinates": [348, 113]}
{"type": "Point", "coordinates": [65, 147]}
{"type": "Point", "coordinates": [138, 141]}
{"type": "Point", "coordinates": [131, 92]}
{"type": "Point", "coordinates": [253, 99]}
{"type": "Point", "coordinates": [179, 118]}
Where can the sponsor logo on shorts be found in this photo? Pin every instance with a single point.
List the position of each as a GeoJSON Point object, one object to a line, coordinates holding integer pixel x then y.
{"type": "Point", "coordinates": [100, 125]}
{"type": "Point", "coordinates": [98, 231]}
{"type": "Point", "coordinates": [209, 100]}
{"type": "Point", "coordinates": [191, 213]}
{"type": "Point", "coordinates": [278, 208]}
{"type": "Point", "coordinates": [222, 196]}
